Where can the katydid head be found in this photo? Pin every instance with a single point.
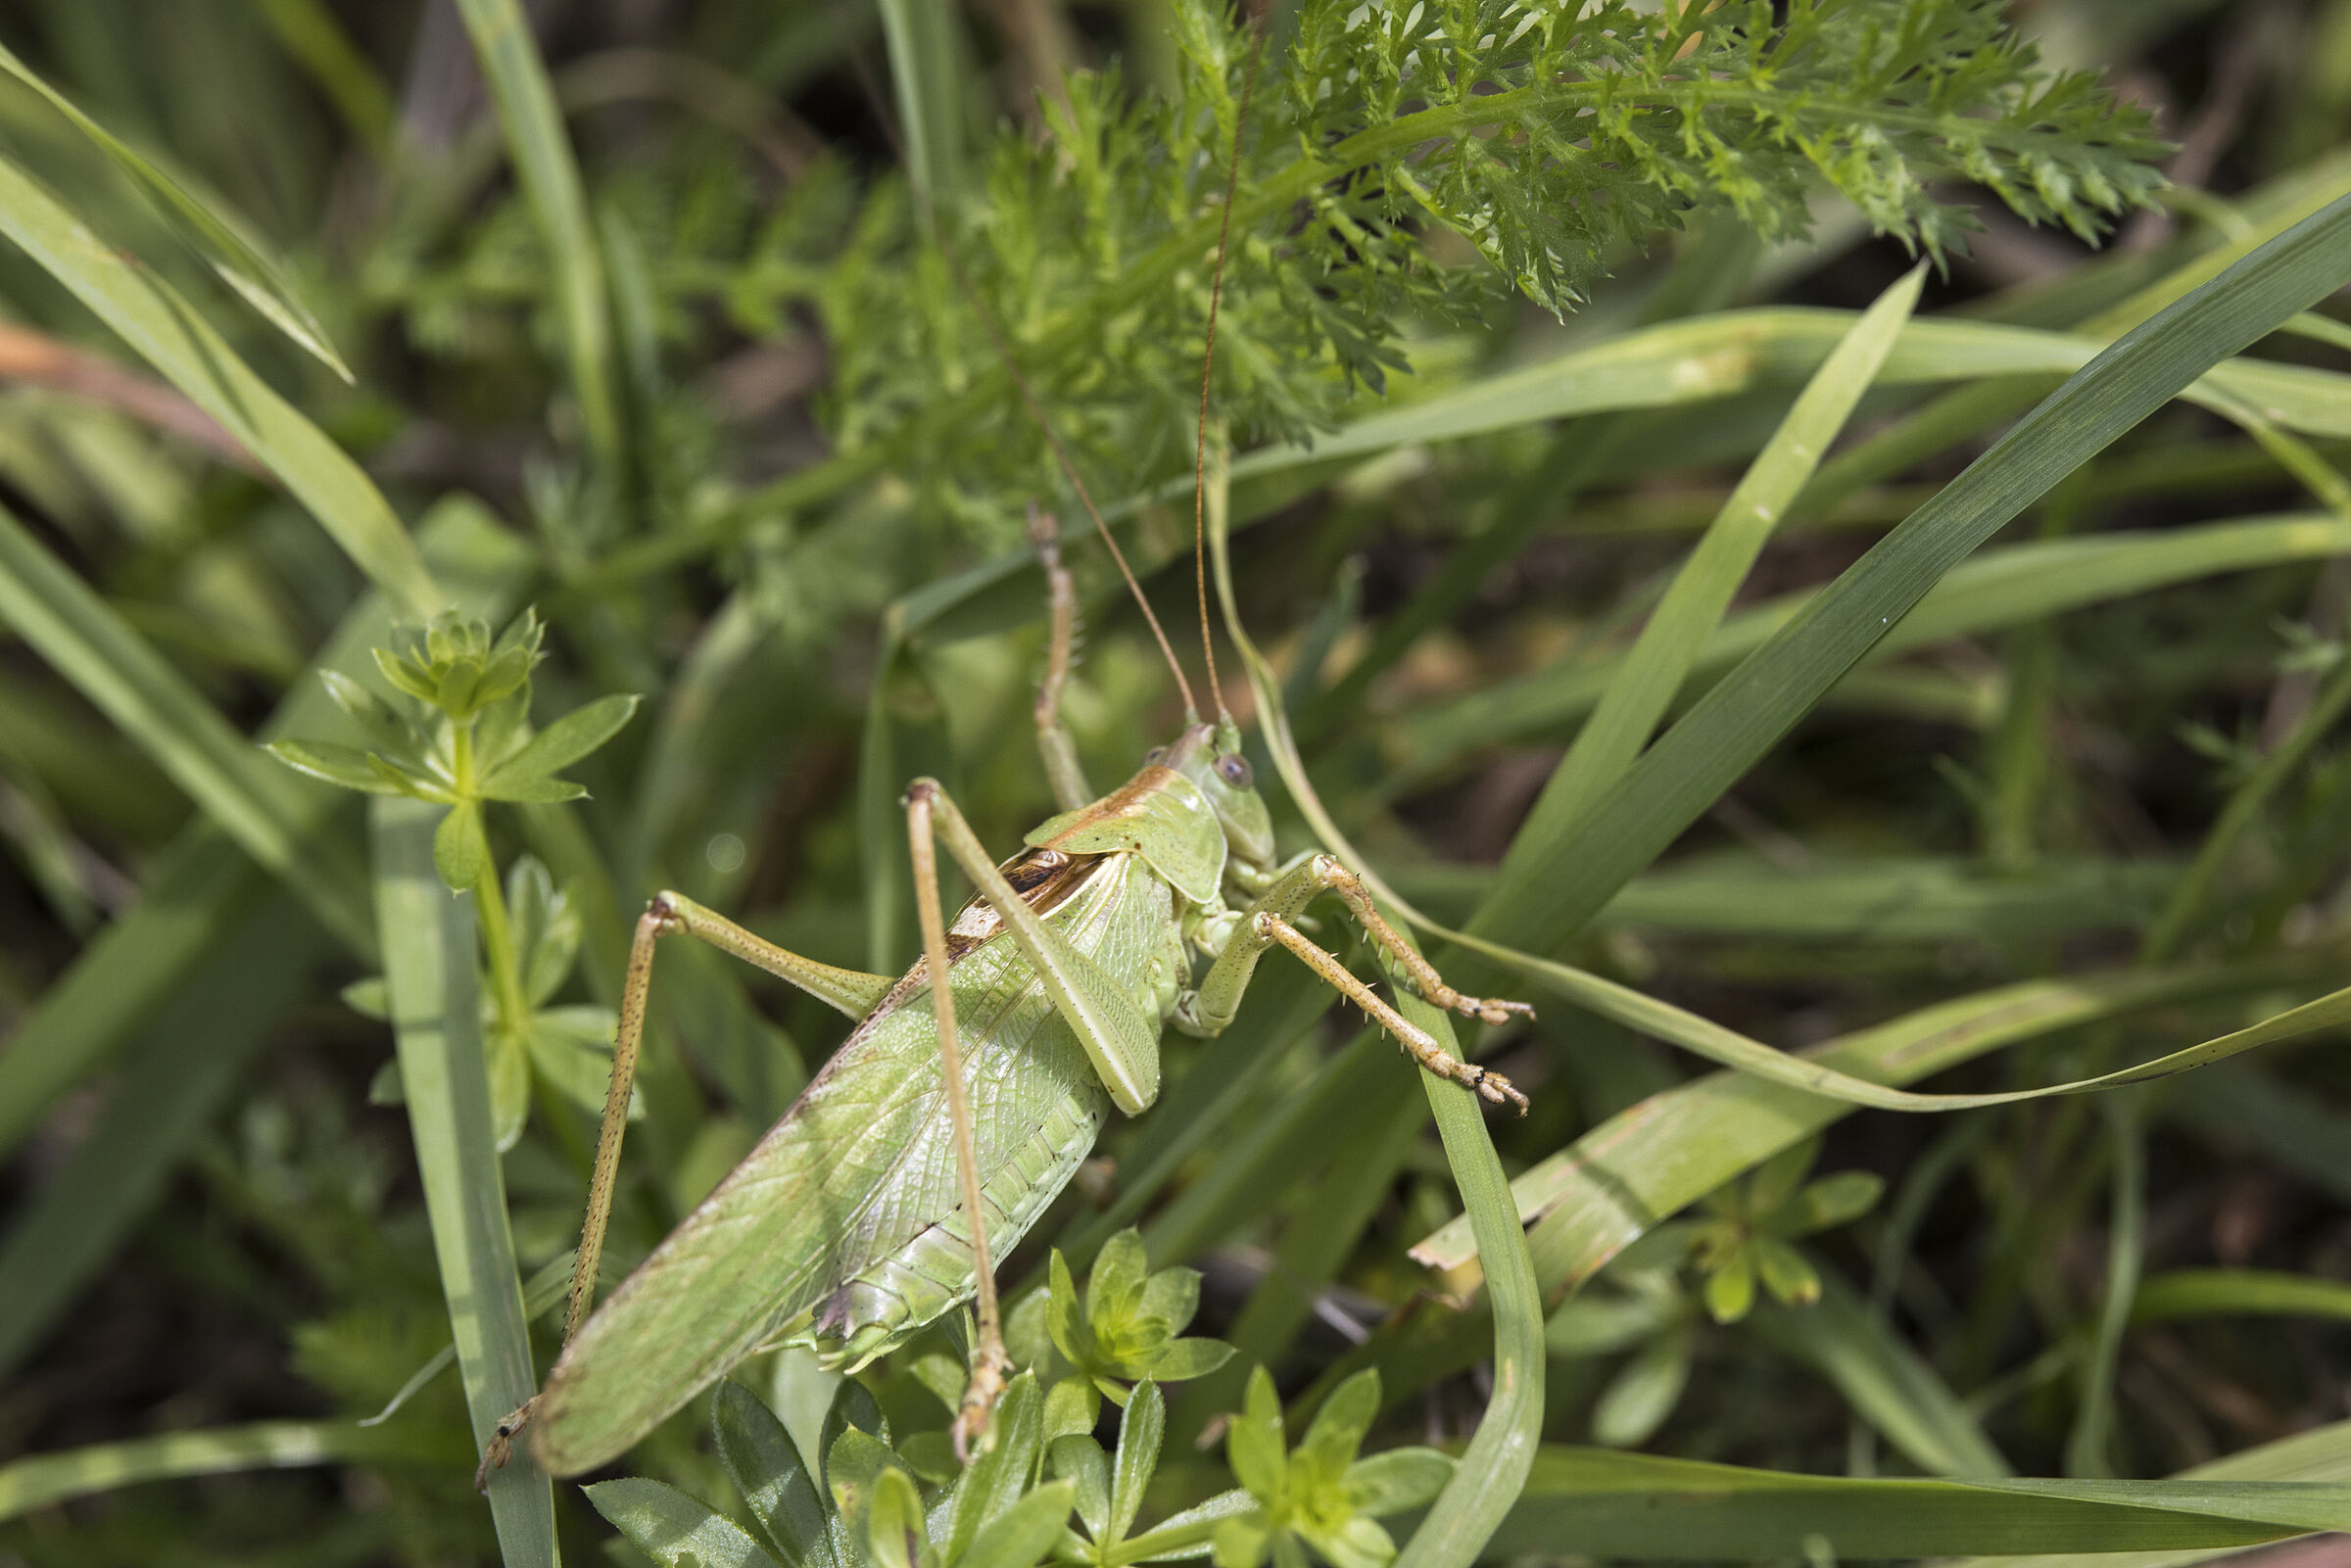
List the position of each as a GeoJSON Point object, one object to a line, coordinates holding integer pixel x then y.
{"type": "Point", "coordinates": [1209, 756]}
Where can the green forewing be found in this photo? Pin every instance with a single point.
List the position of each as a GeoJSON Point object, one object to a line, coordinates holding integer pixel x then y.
{"type": "Point", "coordinates": [841, 1229]}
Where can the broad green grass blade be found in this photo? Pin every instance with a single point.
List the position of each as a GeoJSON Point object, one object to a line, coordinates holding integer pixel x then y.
{"type": "Point", "coordinates": [170, 334]}
{"type": "Point", "coordinates": [1592, 1199]}
{"type": "Point", "coordinates": [2010, 586]}
{"type": "Point", "coordinates": [254, 801]}
{"type": "Point", "coordinates": [2232, 1292]}
{"type": "Point", "coordinates": [179, 1074]}
{"type": "Point", "coordinates": [429, 967]}
{"type": "Point", "coordinates": [1652, 671]}
{"type": "Point", "coordinates": [1460, 1523]}
{"type": "Point", "coordinates": [1611, 1505]}
{"type": "Point", "coordinates": [44, 1480]}
{"type": "Point", "coordinates": [1887, 1384]}
{"type": "Point", "coordinates": [1536, 906]}
{"type": "Point", "coordinates": [2323, 1455]}
{"type": "Point", "coordinates": [240, 263]}
{"type": "Point", "coordinates": [550, 180]}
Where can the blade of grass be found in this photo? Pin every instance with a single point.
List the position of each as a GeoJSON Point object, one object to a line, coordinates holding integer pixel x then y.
{"type": "Point", "coordinates": [2088, 1446]}
{"type": "Point", "coordinates": [176, 1077]}
{"type": "Point", "coordinates": [429, 971]}
{"type": "Point", "coordinates": [1463, 1521]}
{"type": "Point", "coordinates": [256, 279]}
{"type": "Point", "coordinates": [550, 181]}
{"type": "Point", "coordinates": [1636, 698]}
{"type": "Point", "coordinates": [1594, 1198]}
{"type": "Point", "coordinates": [1732, 727]}
{"type": "Point", "coordinates": [1638, 1505]}
{"type": "Point", "coordinates": [170, 334]}
{"type": "Point", "coordinates": [2320, 1455]}
{"type": "Point", "coordinates": [45, 1480]}
{"type": "Point", "coordinates": [2229, 1291]}
{"type": "Point", "coordinates": [254, 801]}
{"type": "Point", "coordinates": [1703, 1036]}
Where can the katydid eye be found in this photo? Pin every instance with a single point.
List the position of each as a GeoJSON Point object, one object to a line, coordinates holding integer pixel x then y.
{"type": "Point", "coordinates": [1154, 756]}
{"type": "Point", "coordinates": [1234, 769]}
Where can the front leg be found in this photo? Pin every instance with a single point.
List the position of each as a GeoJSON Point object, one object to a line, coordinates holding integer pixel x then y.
{"type": "Point", "coordinates": [1271, 920]}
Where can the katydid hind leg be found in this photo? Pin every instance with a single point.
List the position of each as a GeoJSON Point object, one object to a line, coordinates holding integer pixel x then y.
{"type": "Point", "coordinates": [668, 914]}
{"type": "Point", "coordinates": [989, 1360]}
{"type": "Point", "coordinates": [1122, 1044]}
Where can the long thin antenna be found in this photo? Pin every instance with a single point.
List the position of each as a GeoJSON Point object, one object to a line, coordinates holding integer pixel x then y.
{"type": "Point", "coordinates": [1068, 469]}
{"type": "Point", "coordinates": [1208, 360]}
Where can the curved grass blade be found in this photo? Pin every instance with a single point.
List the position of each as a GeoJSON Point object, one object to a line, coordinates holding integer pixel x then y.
{"type": "Point", "coordinates": [550, 180]}
{"type": "Point", "coordinates": [1703, 1036]}
{"type": "Point", "coordinates": [1613, 1504]}
{"type": "Point", "coordinates": [1461, 1524]}
{"type": "Point", "coordinates": [2229, 1291]}
{"type": "Point", "coordinates": [429, 970]}
{"type": "Point", "coordinates": [1591, 1200]}
{"type": "Point", "coordinates": [170, 334]}
{"type": "Point", "coordinates": [1467, 1514]}
{"type": "Point", "coordinates": [1535, 906]}
{"type": "Point", "coordinates": [259, 281]}
{"type": "Point", "coordinates": [44, 1480]}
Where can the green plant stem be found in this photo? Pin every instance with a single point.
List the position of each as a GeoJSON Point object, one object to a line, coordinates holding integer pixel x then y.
{"type": "Point", "coordinates": [498, 942]}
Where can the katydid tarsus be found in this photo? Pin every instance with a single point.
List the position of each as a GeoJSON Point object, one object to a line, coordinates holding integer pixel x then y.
{"type": "Point", "coordinates": [848, 1228]}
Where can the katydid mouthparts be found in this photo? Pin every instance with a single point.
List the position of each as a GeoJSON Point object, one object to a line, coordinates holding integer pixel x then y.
{"type": "Point", "coordinates": [849, 1229]}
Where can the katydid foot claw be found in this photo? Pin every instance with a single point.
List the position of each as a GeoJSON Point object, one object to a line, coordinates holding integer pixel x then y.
{"type": "Point", "coordinates": [980, 1398]}
{"type": "Point", "coordinates": [1490, 1012]}
{"type": "Point", "coordinates": [502, 1443]}
{"type": "Point", "coordinates": [1493, 1087]}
